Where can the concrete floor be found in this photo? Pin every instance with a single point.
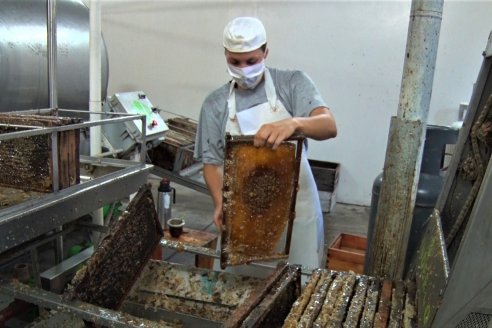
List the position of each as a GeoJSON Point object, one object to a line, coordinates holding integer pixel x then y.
{"type": "Point", "coordinates": [197, 210]}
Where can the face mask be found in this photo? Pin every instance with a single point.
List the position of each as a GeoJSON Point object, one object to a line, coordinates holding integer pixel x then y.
{"type": "Point", "coordinates": [247, 77]}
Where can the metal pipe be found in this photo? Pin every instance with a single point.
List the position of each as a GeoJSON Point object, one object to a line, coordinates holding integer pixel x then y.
{"type": "Point", "coordinates": [95, 74]}
{"type": "Point", "coordinates": [95, 94]}
{"type": "Point", "coordinates": [52, 53]}
{"type": "Point", "coordinates": [53, 97]}
{"type": "Point", "coordinates": [212, 253]}
{"type": "Point", "coordinates": [405, 144]}
{"type": "Point", "coordinates": [43, 130]}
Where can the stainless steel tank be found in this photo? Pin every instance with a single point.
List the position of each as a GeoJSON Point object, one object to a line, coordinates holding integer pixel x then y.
{"type": "Point", "coordinates": [23, 55]}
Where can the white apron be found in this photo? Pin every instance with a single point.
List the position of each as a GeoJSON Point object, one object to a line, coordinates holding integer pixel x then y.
{"type": "Point", "coordinates": [305, 249]}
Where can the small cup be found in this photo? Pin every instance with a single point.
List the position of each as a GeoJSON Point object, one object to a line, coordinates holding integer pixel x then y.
{"type": "Point", "coordinates": [175, 227]}
{"type": "Point", "coordinates": [21, 272]}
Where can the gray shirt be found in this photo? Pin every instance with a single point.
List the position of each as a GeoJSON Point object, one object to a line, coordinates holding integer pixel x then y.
{"type": "Point", "coordinates": [295, 90]}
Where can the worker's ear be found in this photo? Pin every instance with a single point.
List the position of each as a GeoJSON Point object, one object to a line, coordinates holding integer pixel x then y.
{"type": "Point", "coordinates": [266, 54]}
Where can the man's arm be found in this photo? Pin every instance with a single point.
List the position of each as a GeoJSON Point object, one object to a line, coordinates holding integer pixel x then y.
{"type": "Point", "coordinates": [320, 125]}
{"type": "Point", "coordinates": [213, 175]}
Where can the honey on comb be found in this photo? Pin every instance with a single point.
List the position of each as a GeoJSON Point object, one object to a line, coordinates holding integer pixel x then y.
{"type": "Point", "coordinates": [260, 188]}
{"type": "Point", "coordinates": [259, 193]}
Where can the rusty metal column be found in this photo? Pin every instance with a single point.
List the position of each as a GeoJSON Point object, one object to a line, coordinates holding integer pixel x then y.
{"type": "Point", "coordinates": [405, 143]}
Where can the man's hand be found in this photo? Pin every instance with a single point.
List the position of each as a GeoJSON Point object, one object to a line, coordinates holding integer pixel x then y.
{"type": "Point", "coordinates": [272, 134]}
{"type": "Point", "coordinates": [218, 219]}
{"type": "Point", "coordinates": [213, 176]}
{"type": "Point", "coordinates": [320, 125]}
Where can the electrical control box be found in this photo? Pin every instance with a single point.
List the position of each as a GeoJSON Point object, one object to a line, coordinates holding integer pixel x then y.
{"type": "Point", "coordinates": [123, 137]}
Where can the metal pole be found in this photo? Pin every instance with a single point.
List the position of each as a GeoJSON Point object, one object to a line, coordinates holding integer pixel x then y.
{"type": "Point", "coordinates": [52, 52]}
{"type": "Point", "coordinates": [95, 95]}
{"type": "Point", "coordinates": [95, 75]}
{"type": "Point", "coordinates": [405, 144]}
{"type": "Point", "coordinates": [53, 96]}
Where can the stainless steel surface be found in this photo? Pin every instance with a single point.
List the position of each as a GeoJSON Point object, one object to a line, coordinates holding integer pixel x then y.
{"type": "Point", "coordinates": [44, 213]}
{"type": "Point", "coordinates": [28, 220]}
{"type": "Point", "coordinates": [205, 251]}
{"type": "Point", "coordinates": [470, 285]}
{"type": "Point", "coordinates": [38, 131]}
{"type": "Point", "coordinates": [53, 103]}
{"type": "Point", "coordinates": [176, 245]}
{"type": "Point", "coordinates": [58, 320]}
{"type": "Point", "coordinates": [56, 278]}
{"type": "Point", "coordinates": [193, 182]}
{"type": "Point", "coordinates": [24, 66]}
{"type": "Point", "coordinates": [464, 206]}
{"type": "Point", "coordinates": [52, 53]}
{"type": "Point", "coordinates": [85, 311]}
{"type": "Point", "coordinates": [467, 167]}
{"type": "Point", "coordinates": [125, 136]}
{"type": "Point", "coordinates": [157, 314]}
{"type": "Point", "coordinates": [166, 196]}
{"type": "Point", "coordinates": [227, 298]}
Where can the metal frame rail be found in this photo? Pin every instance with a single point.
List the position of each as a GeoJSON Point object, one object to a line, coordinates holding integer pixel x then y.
{"type": "Point", "coordinates": [27, 220]}
{"type": "Point", "coordinates": [85, 311]}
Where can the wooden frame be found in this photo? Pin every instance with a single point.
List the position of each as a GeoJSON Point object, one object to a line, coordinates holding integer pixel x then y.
{"type": "Point", "coordinates": [259, 197]}
{"type": "Point", "coordinates": [347, 253]}
{"type": "Point", "coordinates": [27, 163]}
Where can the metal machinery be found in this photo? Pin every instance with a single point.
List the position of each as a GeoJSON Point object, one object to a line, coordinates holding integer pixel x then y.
{"type": "Point", "coordinates": [191, 297]}
{"type": "Point", "coordinates": [23, 69]}
{"type": "Point", "coordinates": [173, 158]}
{"type": "Point", "coordinates": [170, 139]}
{"type": "Point", "coordinates": [130, 126]}
{"type": "Point", "coordinates": [464, 208]}
{"type": "Point", "coordinates": [123, 138]}
{"type": "Point", "coordinates": [35, 219]}
{"type": "Point", "coordinates": [452, 280]}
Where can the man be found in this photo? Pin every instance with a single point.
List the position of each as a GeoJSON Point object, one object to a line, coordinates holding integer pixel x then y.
{"type": "Point", "coordinates": [272, 105]}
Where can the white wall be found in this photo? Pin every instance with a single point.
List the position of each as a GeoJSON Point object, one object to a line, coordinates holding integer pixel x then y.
{"type": "Point", "coordinates": [353, 50]}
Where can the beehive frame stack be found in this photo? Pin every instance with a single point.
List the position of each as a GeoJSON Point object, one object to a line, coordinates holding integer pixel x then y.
{"type": "Point", "coordinates": [175, 153]}
{"type": "Point", "coordinates": [27, 162]}
{"type": "Point", "coordinates": [346, 299]}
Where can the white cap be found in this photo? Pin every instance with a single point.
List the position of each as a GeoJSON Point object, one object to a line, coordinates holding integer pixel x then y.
{"type": "Point", "coordinates": [244, 34]}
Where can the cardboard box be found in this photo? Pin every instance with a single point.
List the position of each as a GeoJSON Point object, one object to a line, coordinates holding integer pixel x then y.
{"type": "Point", "coordinates": [347, 253]}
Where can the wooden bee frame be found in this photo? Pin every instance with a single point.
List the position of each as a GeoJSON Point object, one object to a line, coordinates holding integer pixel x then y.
{"type": "Point", "coordinates": [27, 162]}
{"type": "Point", "coordinates": [259, 198]}
{"type": "Point", "coordinates": [112, 270]}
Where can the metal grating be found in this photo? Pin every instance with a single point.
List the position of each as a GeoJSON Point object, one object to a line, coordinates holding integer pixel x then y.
{"type": "Point", "coordinates": [475, 320]}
